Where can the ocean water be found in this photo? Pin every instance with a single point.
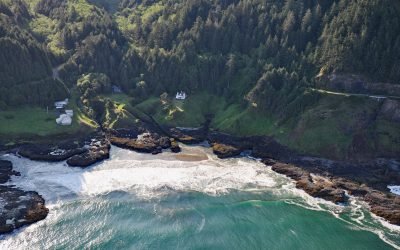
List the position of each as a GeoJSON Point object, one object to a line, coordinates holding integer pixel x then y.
{"type": "Point", "coordinates": [193, 201]}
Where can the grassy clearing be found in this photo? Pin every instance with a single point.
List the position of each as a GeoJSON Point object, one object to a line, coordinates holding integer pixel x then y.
{"type": "Point", "coordinates": [246, 122]}
{"type": "Point", "coordinates": [121, 113]}
{"type": "Point", "coordinates": [33, 120]}
{"type": "Point", "coordinates": [388, 136]}
{"type": "Point", "coordinates": [188, 113]}
{"type": "Point", "coordinates": [192, 112]}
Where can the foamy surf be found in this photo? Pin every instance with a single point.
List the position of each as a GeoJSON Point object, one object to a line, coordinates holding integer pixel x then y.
{"type": "Point", "coordinates": [146, 176]}
{"type": "Point", "coordinates": [149, 177]}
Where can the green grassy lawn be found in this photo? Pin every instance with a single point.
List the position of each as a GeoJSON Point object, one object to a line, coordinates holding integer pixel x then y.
{"type": "Point", "coordinates": [188, 113]}
{"type": "Point", "coordinates": [121, 114]}
{"type": "Point", "coordinates": [247, 122]}
{"type": "Point", "coordinates": [230, 118]}
{"type": "Point", "coordinates": [388, 136]}
{"type": "Point", "coordinates": [33, 120]}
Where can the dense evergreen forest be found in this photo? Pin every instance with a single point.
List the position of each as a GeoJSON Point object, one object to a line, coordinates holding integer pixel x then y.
{"type": "Point", "coordinates": [262, 55]}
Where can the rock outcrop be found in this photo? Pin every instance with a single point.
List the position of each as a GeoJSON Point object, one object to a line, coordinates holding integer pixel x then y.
{"type": "Point", "coordinates": [18, 207]}
{"type": "Point", "coordinates": [187, 136]}
{"type": "Point", "coordinates": [6, 171]}
{"type": "Point", "coordinates": [50, 153]}
{"type": "Point", "coordinates": [333, 189]}
{"type": "Point", "coordinates": [81, 152]}
{"type": "Point", "coordinates": [175, 148]}
{"type": "Point", "coordinates": [225, 151]}
{"type": "Point", "coordinates": [314, 185]}
{"type": "Point", "coordinates": [145, 143]}
{"type": "Point", "coordinates": [98, 150]}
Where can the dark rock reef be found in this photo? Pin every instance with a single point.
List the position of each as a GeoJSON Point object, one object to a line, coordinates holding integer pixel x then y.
{"type": "Point", "coordinates": [50, 153]}
{"type": "Point", "coordinates": [314, 185]}
{"type": "Point", "coordinates": [333, 189]}
{"type": "Point", "coordinates": [147, 142]}
{"type": "Point", "coordinates": [225, 151]}
{"type": "Point", "coordinates": [322, 178]}
{"type": "Point", "coordinates": [98, 150]}
{"type": "Point", "coordinates": [6, 171]}
{"type": "Point", "coordinates": [18, 207]}
{"type": "Point", "coordinates": [81, 152]}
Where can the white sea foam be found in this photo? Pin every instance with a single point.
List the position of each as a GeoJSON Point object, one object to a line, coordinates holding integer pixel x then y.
{"type": "Point", "coordinates": [145, 175]}
{"type": "Point", "coordinates": [394, 189]}
{"type": "Point", "coordinates": [148, 176]}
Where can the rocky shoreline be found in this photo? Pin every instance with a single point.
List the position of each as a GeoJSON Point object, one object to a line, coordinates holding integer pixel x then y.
{"type": "Point", "coordinates": [322, 178]}
{"type": "Point", "coordinates": [18, 207]}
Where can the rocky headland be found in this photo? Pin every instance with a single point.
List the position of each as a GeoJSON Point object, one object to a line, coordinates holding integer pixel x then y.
{"type": "Point", "coordinates": [18, 207]}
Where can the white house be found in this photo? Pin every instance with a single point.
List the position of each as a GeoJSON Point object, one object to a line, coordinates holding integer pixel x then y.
{"type": "Point", "coordinates": [69, 112]}
{"type": "Point", "coordinates": [61, 104]}
{"type": "Point", "coordinates": [116, 89]}
{"type": "Point", "coordinates": [64, 120]}
{"type": "Point", "coordinates": [181, 95]}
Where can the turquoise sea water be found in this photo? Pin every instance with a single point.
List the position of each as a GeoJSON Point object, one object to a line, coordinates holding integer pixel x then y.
{"type": "Point", "coordinates": [137, 201]}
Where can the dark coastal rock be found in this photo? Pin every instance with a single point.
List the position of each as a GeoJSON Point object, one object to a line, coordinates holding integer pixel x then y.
{"type": "Point", "coordinates": [238, 142]}
{"type": "Point", "coordinates": [6, 171]}
{"type": "Point", "coordinates": [133, 144]}
{"type": "Point", "coordinates": [267, 147]}
{"type": "Point", "coordinates": [225, 151]}
{"type": "Point", "coordinates": [261, 146]}
{"type": "Point", "coordinates": [50, 153]}
{"type": "Point", "coordinates": [333, 189]}
{"type": "Point", "coordinates": [145, 143]}
{"type": "Point", "coordinates": [20, 208]}
{"type": "Point", "coordinates": [156, 151]}
{"type": "Point", "coordinates": [392, 216]}
{"type": "Point", "coordinates": [315, 186]}
{"type": "Point", "coordinates": [175, 148]}
{"type": "Point", "coordinates": [384, 205]}
{"type": "Point", "coordinates": [164, 142]}
{"type": "Point", "coordinates": [352, 188]}
{"type": "Point", "coordinates": [126, 133]}
{"type": "Point", "coordinates": [81, 152]}
{"type": "Point", "coordinates": [187, 136]}
{"type": "Point", "coordinates": [98, 150]}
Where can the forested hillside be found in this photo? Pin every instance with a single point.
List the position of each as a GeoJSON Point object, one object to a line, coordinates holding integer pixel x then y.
{"type": "Point", "coordinates": [25, 72]}
{"type": "Point", "coordinates": [259, 58]}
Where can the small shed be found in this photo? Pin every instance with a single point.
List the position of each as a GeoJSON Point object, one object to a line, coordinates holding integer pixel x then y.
{"type": "Point", "coordinates": [61, 104]}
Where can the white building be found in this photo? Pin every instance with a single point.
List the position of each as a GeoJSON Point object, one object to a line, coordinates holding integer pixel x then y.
{"type": "Point", "coordinates": [116, 89]}
{"type": "Point", "coordinates": [69, 112]}
{"type": "Point", "coordinates": [64, 120]}
{"type": "Point", "coordinates": [181, 95]}
{"type": "Point", "coordinates": [61, 104]}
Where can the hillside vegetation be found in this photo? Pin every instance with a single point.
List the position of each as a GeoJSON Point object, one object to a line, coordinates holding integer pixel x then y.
{"type": "Point", "coordinates": [251, 64]}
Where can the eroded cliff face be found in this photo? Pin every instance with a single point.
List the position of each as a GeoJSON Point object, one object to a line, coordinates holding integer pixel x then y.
{"type": "Point", "coordinates": [356, 84]}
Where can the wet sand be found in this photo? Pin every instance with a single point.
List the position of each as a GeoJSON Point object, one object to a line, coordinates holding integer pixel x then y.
{"type": "Point", "coordinates": [191, 157]}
